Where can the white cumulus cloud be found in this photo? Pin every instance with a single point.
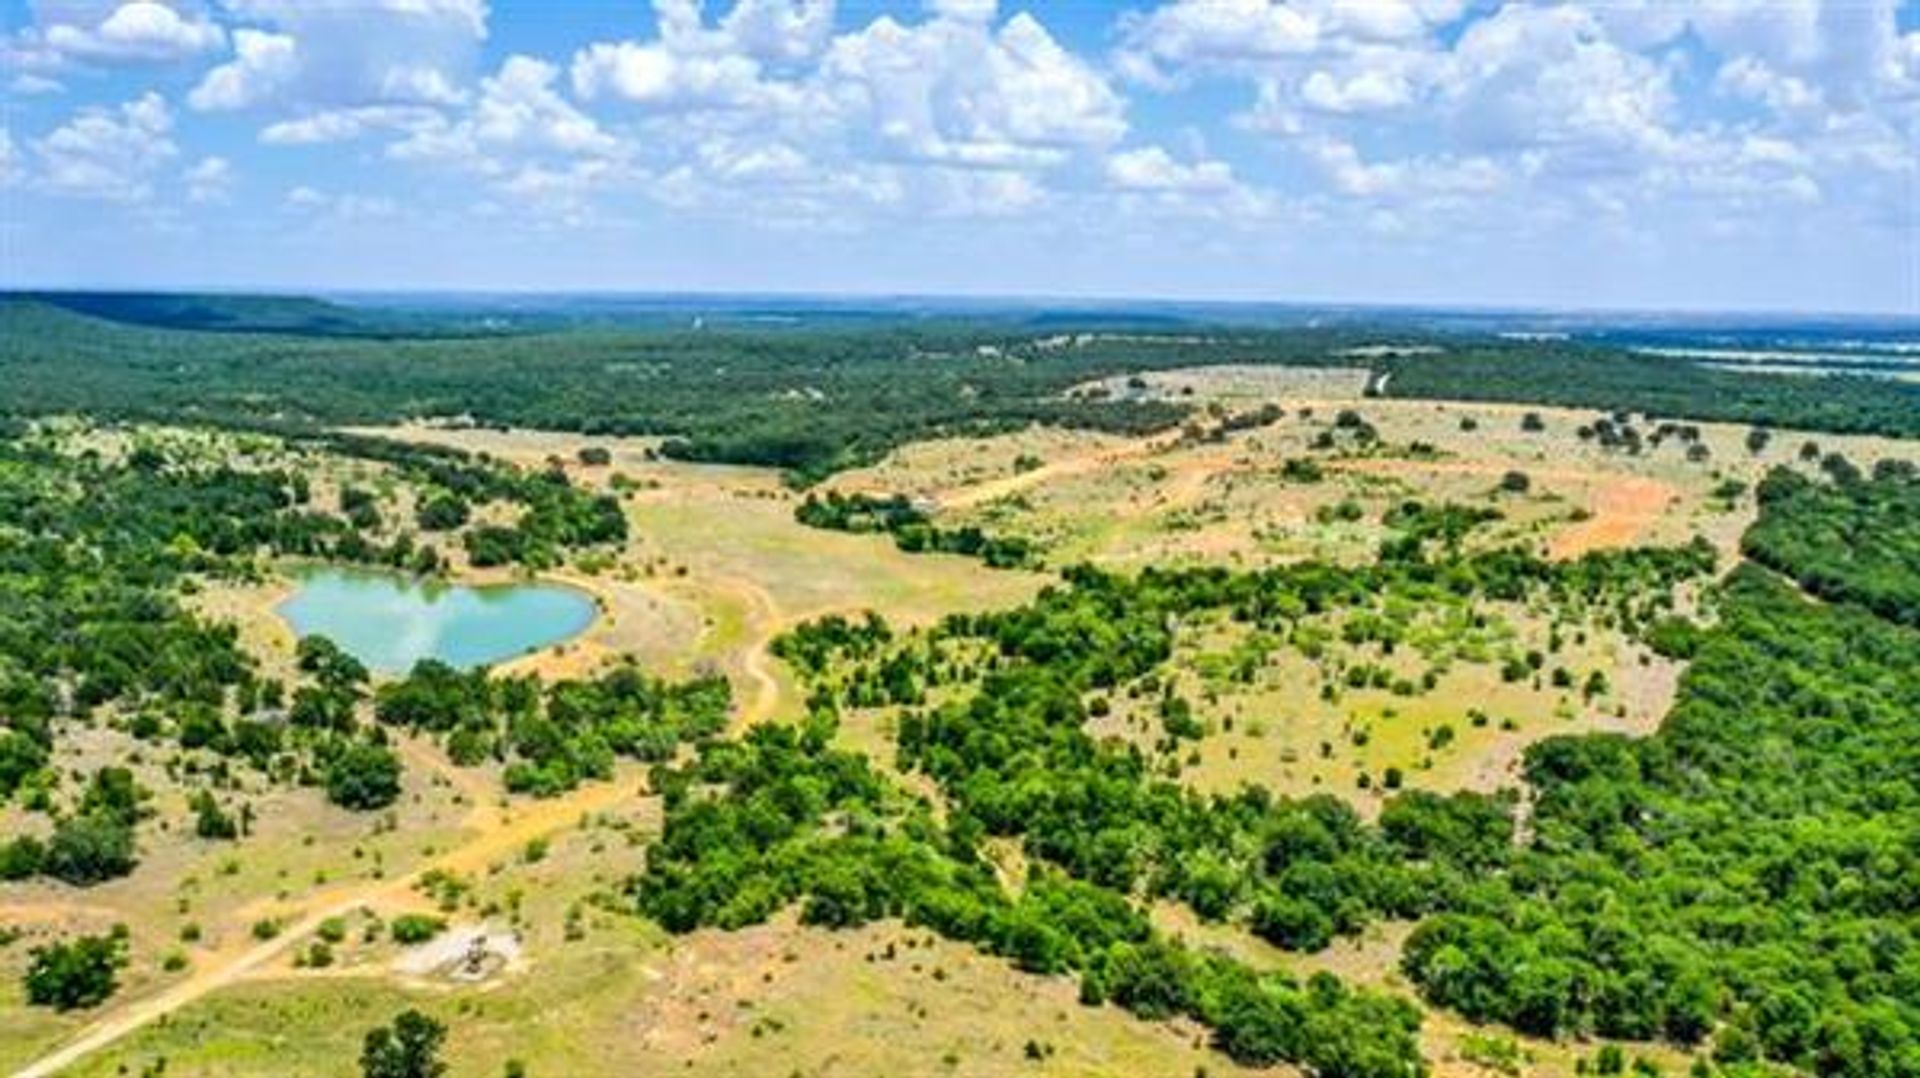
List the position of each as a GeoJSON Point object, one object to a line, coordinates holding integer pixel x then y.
{"type": "Point", "coordinates": [517, 110]}
{"type": "Point", "coordinates": [314, 56]}
{"type": "Point", "coordinates": [108, 153]}
{"type": "Point", "coordinates": [139, 30]}
{"type": "Point", "coordinates": [209, 180]}
{"type": "Point", "coordinates": [956, 91]}
{"type": "Point", "coordinates": [1152, 168]}
{"type": "Point", "coordinates": [264, 64]}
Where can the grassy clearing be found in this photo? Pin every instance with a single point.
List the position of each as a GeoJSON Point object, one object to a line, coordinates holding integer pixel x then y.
{"type": "Point", "coordinates": [1468, 731]}
{"type": "Point", "coordinates": [1152, 501]}
{"type": "Point", "coordinates": [621, 1000]}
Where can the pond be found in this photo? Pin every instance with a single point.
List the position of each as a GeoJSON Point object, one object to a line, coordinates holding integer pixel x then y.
{"type": "Point", "coordinates": [389, 622]}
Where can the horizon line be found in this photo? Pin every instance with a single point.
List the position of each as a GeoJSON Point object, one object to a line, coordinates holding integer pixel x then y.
{"type": "Point", "coordinates": [1489, 307]}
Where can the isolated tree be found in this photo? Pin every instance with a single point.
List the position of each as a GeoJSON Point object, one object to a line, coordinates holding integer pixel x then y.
{"type": "Point", "coordinates": [113, 791]}
{"type": "Point", "coordinates": [76, 973]}
{"type": "Point", "coordinates": [1516, 483]}
{"type": "Point", "coordinates": [210, 820]}
{"type": "Point", "coordinates": [89, 849]}
{"type": "Point", "coordinates": [22, 858]}
{"type": "Point", "coordinates": [408, 1049]}
{"type": "Point", "coordinates": [364, 776]}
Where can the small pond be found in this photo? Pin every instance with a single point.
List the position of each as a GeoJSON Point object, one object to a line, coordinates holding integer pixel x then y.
{"type": "Point", "coordinates": [390, 622]}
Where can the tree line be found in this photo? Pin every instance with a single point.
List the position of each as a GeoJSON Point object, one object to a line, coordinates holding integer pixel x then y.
{"type": "Point", "coordinates": [912, 528]}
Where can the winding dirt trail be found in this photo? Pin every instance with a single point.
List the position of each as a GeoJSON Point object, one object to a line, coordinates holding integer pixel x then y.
{"type": "Point", "coordinates": [1079, 464]}
{"type": "Point", "coordinates": [757, 661]}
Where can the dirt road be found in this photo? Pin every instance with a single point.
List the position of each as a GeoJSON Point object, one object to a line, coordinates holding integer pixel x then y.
{"type": "Point", "coordinates": [1078, 464]}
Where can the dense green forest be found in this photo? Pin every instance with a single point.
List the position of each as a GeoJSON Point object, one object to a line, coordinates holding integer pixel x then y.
{"type": "Point", "coordinates": [811, 403]}
{"type": "Point", "coordinates": [236, 313]}
{"type": "Point", "coordinates": [816, 402]}
{"type": "Point", "coordinates": [1575, 376]}
{"type": "Point", "coordinates": [1848, 540]}
{"type": "Point", "coordinates": [1747, 877]}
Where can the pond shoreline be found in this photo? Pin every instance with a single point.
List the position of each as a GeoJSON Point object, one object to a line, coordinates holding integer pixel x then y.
{"type": "Point", "coordinates": [391, 620]}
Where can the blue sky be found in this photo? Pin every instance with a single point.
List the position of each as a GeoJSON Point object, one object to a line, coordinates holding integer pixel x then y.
{"type": "Point", "coordinates": [1640, 153]}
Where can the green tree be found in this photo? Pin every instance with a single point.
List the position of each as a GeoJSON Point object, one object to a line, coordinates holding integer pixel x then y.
{"type": "Point", "coordinates": [90, 849]}
{"type": "Point", "coordinates": [364, 776]}
{"type": "Point", "coordinates": [76, 973]}
{"type": "Point", "coordinates": [410, 1048]}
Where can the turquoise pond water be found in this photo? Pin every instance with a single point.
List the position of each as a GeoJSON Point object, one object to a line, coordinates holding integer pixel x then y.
{"type": "Point", "coordinates": [390, 622]}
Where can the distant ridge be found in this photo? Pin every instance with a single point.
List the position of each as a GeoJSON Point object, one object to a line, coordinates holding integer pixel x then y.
{"type": "Point", "coordinates": [238, 313]}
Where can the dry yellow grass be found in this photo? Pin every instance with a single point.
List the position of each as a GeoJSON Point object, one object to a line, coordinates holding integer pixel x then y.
{"type": "Point", "coordinates": [1130, 502]}
{"type": "Point", "coordinates": [776, 999]}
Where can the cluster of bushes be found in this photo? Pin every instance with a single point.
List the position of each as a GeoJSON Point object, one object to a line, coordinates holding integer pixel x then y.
{"type": "Point", "coordinates": [1418, 525]}
{"type": "Point", "coordinates": [92, 843]}
{"type": "Point", "coordinates": [555, 516]}
{"type": "Point", "coordinates": [79, 972]}
{"type": "Point", "coordinates": [553, 737]}
{"type": "Point", "coordinates": [810, 646]}
{"type": "Point", "coordinates": [912, 529]}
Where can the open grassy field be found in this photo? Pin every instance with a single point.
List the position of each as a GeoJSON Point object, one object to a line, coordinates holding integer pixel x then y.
{"type": "Point", "coordinates": [1158, 500]}
{"type": "Point", "coordinates": [622, 1000]}
{"type": "Point", "coordinates": [1467, 732]}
